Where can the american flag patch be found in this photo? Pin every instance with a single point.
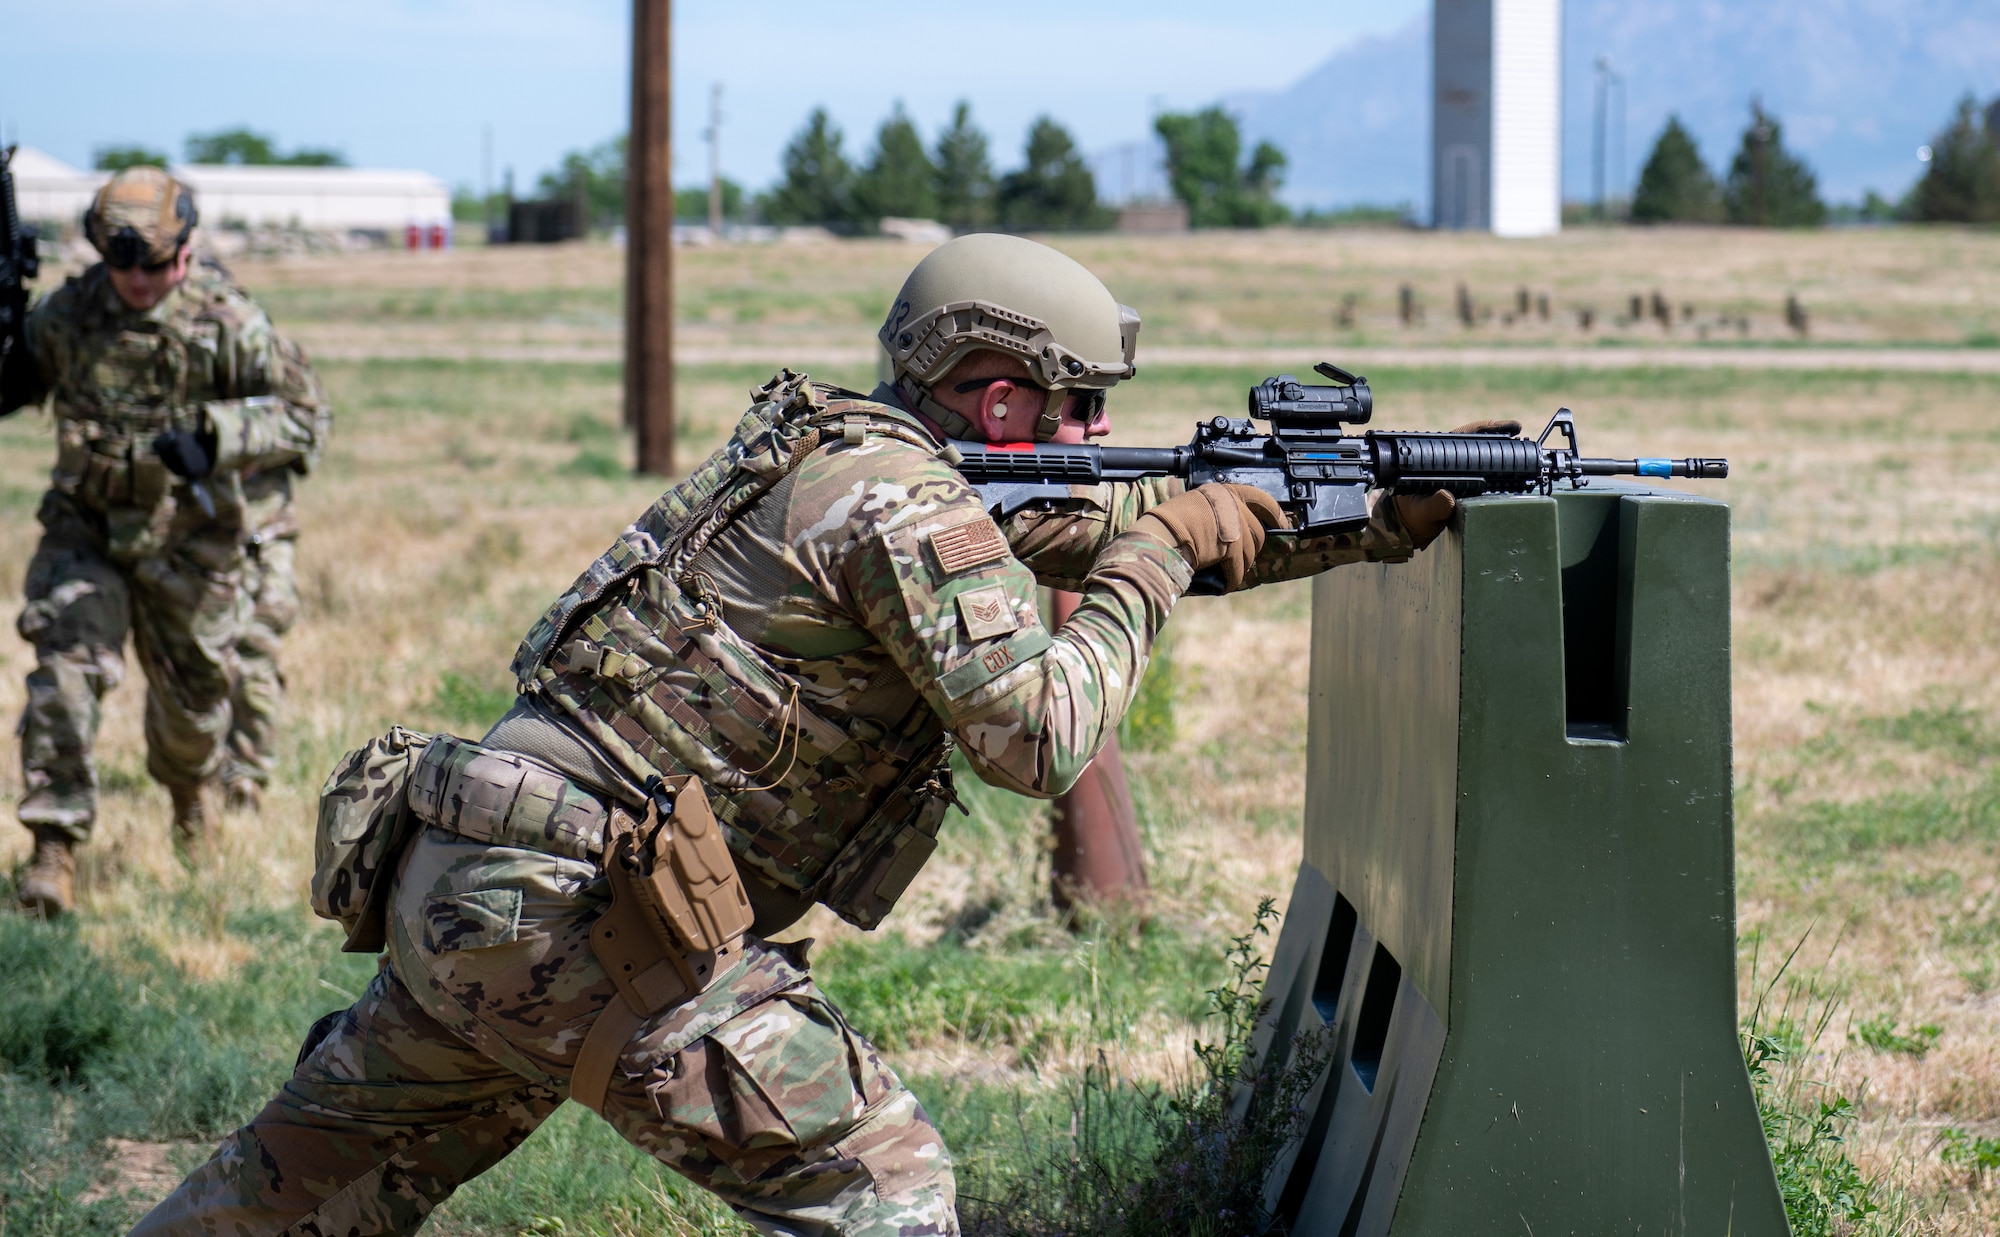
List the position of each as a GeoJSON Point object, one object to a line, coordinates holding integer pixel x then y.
{"type": "Point", "coordinates": [965, 546]}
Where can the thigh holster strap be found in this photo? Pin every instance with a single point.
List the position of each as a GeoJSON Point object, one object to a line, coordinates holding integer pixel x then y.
{"type": "Point", "coordinates": [676, 923]}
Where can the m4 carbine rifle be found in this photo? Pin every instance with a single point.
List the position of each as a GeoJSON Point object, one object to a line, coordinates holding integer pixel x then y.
{"type": "Point", "coordinates": [18, 264]}
{"type": "Point", "coordinates": [1318, 472]}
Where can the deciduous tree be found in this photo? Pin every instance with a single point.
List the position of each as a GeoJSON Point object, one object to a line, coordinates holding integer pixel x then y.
{"type": "Point", "coordinates": [1202, 153]}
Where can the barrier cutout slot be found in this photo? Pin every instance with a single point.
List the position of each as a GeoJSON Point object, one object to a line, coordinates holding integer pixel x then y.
{"type": "Point", "coordinates": [1378, 1003]}
{"type": "Point", "coordinates": [1333, 960]}
{"type": "Point", "coordinates": [1594, 622]}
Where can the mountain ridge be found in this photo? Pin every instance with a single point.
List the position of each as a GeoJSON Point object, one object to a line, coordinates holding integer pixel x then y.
{"type": "Point", "coordinates": [1857, 84]}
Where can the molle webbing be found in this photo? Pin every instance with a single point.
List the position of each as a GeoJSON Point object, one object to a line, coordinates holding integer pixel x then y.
{"type": "Point", "coordinates": [639, 654]}
{"type": "Point", "coordinates": [506, 799]}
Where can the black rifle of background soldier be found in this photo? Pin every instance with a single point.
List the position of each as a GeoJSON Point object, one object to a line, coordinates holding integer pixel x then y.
{"type": "Point", "coordinates": [1316, 471]}
{"type": "Point", "coordinates": [19, 383]}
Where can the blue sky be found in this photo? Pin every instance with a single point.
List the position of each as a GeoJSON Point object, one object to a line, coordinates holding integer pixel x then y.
{"type": "Point", "coordinates": [413, 83]}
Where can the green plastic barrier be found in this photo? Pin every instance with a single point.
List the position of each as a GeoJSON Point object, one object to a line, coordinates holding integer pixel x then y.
{"type": "Point", "coordinates": [1516, 917]}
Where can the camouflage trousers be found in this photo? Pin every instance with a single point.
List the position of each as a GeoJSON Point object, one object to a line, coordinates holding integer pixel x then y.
{"type": "Point", "coordinates": [271, 580]}
{"type": "Point", "coordinates": [191, 609]}
{"type": "Point", "coordinates": [757, 1090]}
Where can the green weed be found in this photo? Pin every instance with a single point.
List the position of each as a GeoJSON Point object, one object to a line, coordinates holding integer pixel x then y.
{"type": "Point", "coordinates": [1953, 730]}
{"type": "Point", "coordinates": [1881, 1035]}
{"type": "Point", "coordinates": [598, 463]}
{"type": "Point", "coordinates": [1141, 1160]}
{"type": "Point", "coordinates": [100, 1044]}
{"type": "Point", "coordinates": [1149, 724]}
{"type": "Point", "coordinates": [1978, 1155]}
{"type": "Point", "coordinates": [1824, 831]}
{"type": "Point", "coordinates": [48, 1162]}
{"type": "Point", "coordinates": [1036, 989]}
{"type": "Point", "coordinates": [1825, 1192]}
{"type": "Point", "coordinates": [464, 703]}
{"type": "Point", "coordinates": [576, 1176]}
{"type": "Point", "coordinates": [588, 427]}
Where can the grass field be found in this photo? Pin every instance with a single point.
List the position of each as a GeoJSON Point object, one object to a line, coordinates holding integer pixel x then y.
{"type": "Point", "coordinates": [459, 496]}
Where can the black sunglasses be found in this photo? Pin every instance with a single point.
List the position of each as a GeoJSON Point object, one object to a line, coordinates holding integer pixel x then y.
{"type": "Point", "coordinates": [125, 249]}
{"type": "Point", "coordinates": [1089, 404]}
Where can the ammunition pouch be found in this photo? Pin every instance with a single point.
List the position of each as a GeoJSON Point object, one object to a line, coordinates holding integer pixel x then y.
{"type": "Point", "coordinates": [365, 823]}
{"type": "Point", "coordinates": [111, 471]}
{"type": "Point", "coordinates": [875, 867]}
{"type": "Point", "coordinates": [506, 799]}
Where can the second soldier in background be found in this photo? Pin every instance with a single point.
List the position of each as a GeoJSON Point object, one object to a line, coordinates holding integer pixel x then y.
{"type": "Point", "coordinates": [181, 419]}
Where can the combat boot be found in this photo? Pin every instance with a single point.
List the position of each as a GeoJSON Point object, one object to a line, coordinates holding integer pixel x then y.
{"type": "Point", "coordinates": [50, 890]}
{"type": "Point", "coordinates": [243, 796]}
{"type": "Point", "coordinates": [193, 823]}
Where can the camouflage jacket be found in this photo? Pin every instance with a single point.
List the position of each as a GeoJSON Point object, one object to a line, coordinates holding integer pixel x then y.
{"type": "Point", "coordinates": [205, 357]}
{"type": "Point", "coordinates": [823, 609]}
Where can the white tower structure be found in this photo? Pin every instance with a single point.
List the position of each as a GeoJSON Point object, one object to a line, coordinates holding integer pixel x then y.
{"type": "Point", "coordinates": [1496, 116]}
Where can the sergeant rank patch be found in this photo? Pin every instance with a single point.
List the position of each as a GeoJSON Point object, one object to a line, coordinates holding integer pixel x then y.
{"type": "Point", "coordinates": [971, 544]}
{"type": "Point", "coordinates": [987, 612]}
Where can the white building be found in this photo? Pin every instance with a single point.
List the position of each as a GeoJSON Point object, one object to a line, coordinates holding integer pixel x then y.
{"type": "Point", "coordinates": [1496, 117]}
{"type": "Point", "coordinates": [49, 190]}
{"type": "Point", "coordinates": [317, 199]}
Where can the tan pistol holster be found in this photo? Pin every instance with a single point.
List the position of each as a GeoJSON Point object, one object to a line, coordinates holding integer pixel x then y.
{"type": "Point", "coordinates": [676, 922]}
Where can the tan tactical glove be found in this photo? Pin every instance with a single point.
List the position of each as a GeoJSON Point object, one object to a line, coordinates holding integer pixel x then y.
{"type": "Point", "coordinates": [1506, 429]}
{"type": "Point", "coordinates": [1218, 525]}
{"type": "Point", "coordinates": [1426, 517]}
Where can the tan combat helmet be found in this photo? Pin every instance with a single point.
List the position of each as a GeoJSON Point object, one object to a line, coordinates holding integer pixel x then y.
{"type": "Point", "coordinates": [141, 217]}
{"type": "Point", "coordinates": [1015, 297]}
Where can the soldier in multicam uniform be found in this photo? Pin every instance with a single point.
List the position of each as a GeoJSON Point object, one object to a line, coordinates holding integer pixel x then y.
{"type": "Point", "coordinates": [810, 624]}
{"type": "Point", "coordinates": [181, 419]}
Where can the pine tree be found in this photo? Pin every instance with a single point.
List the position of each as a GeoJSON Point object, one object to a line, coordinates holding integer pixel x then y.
{"type": "Point", "coordinates": [1676, 186]}
{"type": "Point", "coordinates": [1962, 184]}
{"type": "Point", "coordinates": [1055, 189]}
{"type": "Point", "coordinates": [1768, 186]}
{"type": "Point", "coordinates": [899, 179]}
{"type": "Point", "coordinates": [819, 181]}
{"type": "Point", "coordinates": [964, 175]}
{"type": "Point", "coordinates": [1202, 152]}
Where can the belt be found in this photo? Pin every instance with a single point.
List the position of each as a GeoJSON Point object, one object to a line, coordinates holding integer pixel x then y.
{"type": "Point", "coordinates": [506, 799]}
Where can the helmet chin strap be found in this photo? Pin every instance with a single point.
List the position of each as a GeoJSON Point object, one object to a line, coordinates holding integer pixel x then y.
{"type": "Point", "coordinates": [955, 424]}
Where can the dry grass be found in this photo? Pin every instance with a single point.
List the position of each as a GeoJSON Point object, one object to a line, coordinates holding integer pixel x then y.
{"type": "Point", "coordinates": [458, 499]}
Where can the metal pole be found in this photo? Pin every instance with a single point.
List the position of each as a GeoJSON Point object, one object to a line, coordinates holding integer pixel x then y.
{"type": "Point", "coordinates": [1597, 141]}
{"type": "Point", "coordinates": [1098, 857]}
{"type": "Point", "coordinates": [649, 242]}
{"type": "Point", "coordinates": [1618, 181]}
{"type": "Point", "coordinates": [715, 162]}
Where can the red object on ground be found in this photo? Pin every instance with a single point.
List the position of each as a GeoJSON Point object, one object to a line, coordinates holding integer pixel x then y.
{"type": "Point", "coordinates": [1098, 856]}
{"type": "Point", "coordinates": [413, 237]}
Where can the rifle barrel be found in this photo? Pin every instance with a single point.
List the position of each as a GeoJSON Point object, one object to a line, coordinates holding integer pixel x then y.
{"type": "Point", "coordinates": [1714, 469]}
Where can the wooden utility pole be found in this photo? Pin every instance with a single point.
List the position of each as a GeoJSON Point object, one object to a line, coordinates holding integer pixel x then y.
{"type": "Point", "coordinates": [1098, 857]}
{"type": "Point", "coordinates": [649, 242]}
